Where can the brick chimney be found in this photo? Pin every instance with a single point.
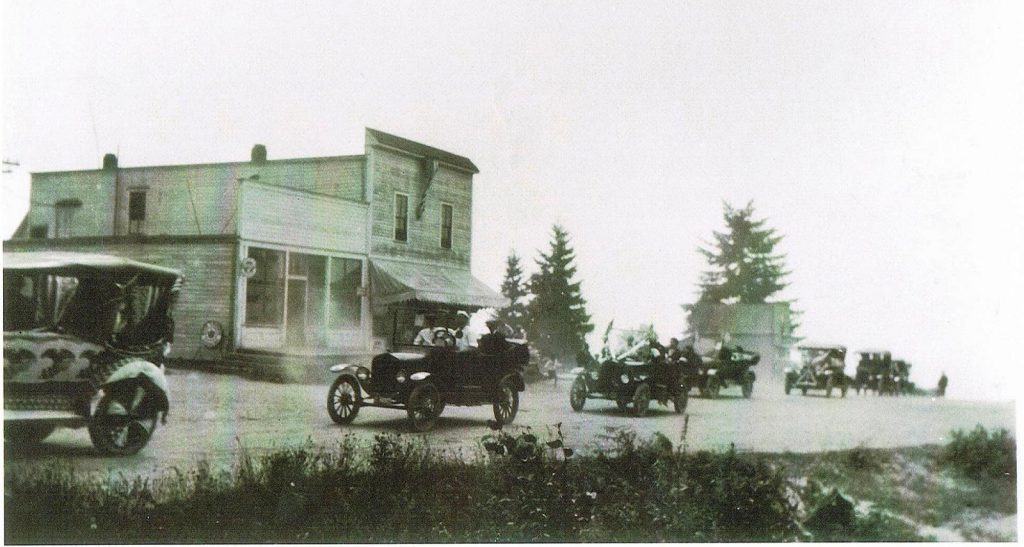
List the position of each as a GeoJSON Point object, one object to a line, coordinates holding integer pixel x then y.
{"type": "Point", "coordinates": [109, 162]}
{"type": "Point", "coordinates": [259, 154]}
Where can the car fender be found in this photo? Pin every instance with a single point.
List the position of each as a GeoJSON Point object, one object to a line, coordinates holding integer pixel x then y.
{"type": "Point", "coordinates": [517, 381]}
{"type": "Point", "coordinates": [133, 370]}
{"type": "Point", "coordinates": [344, 367]}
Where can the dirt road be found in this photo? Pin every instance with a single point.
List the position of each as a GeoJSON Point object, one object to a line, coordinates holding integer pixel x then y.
{"type": "Point", "coordinates": [218, 417]}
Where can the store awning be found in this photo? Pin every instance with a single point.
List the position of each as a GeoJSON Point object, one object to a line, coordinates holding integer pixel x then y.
{"type": "Point", "coordinates": [392, 282]}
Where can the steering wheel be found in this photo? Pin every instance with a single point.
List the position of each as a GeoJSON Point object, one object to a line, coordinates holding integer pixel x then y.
{"type": "Point", "coordinates": [443, 338]}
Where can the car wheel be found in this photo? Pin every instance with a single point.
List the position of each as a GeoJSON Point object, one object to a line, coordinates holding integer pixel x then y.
{"type": "Point", "coordinates": [803, 391]}
{"type": "Point", "coordinates": [641, 399]}
{"type": "Point", "coordinates": [681, 400]}
{"type": "Point", "coordinates": [424, 402]}
{"type": "Point", "coordinates": [578, 393]}
{"type": "Point", "coordinates": [26, 434]}
{"type": "Point", "coordinates": [124, 420]}
{"type": "Point", "coordinates": [789, 384]}
{"type": "Point", "coordinates": [622, 404]}
{"type": "Point", "coordinates": [747, 388]}
{"type": "Point", "coordinates": [344, 400]}
{"type": "Point", "coordinates": [714, 386]}
{"type": "Point", "coordinates": [507, 405]}
{"type": "Point", "coordinates": [844, 388]}
{"type": "Point", "coordinates": [829, 385]}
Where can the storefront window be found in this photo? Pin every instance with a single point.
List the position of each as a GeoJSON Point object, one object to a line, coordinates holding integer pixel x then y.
{"type": "Point", "coordinates": [345, 308]}
{"type": "Point", "coordinates": [264, 291]}
{"type": "Point", "coordinates": [317, 287]}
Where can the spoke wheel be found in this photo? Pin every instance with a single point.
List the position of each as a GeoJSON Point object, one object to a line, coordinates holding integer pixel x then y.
{"type": "Point", "coordinates": [748, 388]}
{"type": "Point", "coordinates": [424, 406]}
{"type": "Point", "coordinates": [829, 385]}
{"type": "Point", "coordinates": [124, 420]}
{"type": "Point", "coordinates": [681, 400]}
{"type": "Point", "coordinates": [578, 393]}
{"type": "Point", "coordinates": [641, 399]}
{"type": "Point", "coordinates": [344, 400]}
{"type": "Point", "coordinates": [507, 405]}
{"type": "Point", "coordinates": [714, 386]}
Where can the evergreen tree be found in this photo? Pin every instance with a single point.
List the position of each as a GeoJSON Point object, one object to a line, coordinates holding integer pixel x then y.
{"type": "Point", "coordinates": [744, 265]}
{"type": "Point", "coordinates": [514, 288]}
{"type": "Point", "coordinates": [558, 321]}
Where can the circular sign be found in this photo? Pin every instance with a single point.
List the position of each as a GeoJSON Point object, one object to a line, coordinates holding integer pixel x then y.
{"type": "Point", "coordinates": [249, 267]}
{"type": "Point", "coordinates": [212, 334]}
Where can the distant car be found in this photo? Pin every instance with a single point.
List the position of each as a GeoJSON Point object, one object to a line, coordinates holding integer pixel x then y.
{"type": "Point", "coordinates": [422, 380]}
{"type": "Point", "coordinates": [85, 337]}
{"type": "Point", "coordinates": [820, 367]}
{"type": "Point", "coordinates": [629, 382]}
{"type": "Point", "coordinates": [729, 366]}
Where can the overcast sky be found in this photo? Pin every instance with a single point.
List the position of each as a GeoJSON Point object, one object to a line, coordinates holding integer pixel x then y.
{"type": "Point", "coordinates": [885, 140]}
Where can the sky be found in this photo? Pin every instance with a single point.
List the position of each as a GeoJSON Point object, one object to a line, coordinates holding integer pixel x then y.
{"type": "Point", "coordinates": [883, 140]}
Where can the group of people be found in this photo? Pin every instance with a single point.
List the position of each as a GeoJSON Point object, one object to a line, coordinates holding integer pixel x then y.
{"type": "Point", "coordinates": [461, 335]}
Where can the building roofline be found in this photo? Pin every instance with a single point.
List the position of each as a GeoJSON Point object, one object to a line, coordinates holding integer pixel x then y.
{"type": "Point", "coordinates": [209, 164]}
{"type": "Point", "coordinates": [419, 149]}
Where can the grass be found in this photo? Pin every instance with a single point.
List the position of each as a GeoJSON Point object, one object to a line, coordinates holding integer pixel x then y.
{"type": "Point", "coordinates": [516, 488]}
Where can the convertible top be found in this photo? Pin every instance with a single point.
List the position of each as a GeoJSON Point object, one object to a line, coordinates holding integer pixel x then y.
{"type": "Point", "coordinates": [80, 262]}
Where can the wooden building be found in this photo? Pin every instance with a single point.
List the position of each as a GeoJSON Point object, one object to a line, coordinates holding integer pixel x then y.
{"type": "Point", "coordinates": [308, 256]}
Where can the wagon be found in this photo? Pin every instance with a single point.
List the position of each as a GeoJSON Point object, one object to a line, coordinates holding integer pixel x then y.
{"type": "Point", "coordinates": [422, 380]}
{"type": "Point", "coordinates": [85, 338]}
{"type": "Point", "coordinates": [820, 367]}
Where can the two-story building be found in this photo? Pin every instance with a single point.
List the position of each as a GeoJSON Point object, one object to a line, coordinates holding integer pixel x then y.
{"type": "Point", "coordinates": [309, 256]}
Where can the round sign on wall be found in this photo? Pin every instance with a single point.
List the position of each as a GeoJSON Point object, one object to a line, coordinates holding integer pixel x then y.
{"type": "Point", "coordinates": [212, 334]}
{"type": "Point", "coordinates": [249, 267]}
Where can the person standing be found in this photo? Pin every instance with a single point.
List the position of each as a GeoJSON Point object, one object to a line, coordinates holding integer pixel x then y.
{"type": "Point", "coordinates": [943, 382]}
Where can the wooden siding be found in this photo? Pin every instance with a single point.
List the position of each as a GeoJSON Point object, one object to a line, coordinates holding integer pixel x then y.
{"type": "Point", "coordinates": [208, 268]}
{"type": "Point", "coordinates": [397, 172]}
{"type": "Point", "coordinates": [95, 189]}
{"type": "Point", "coordinates": [288, 217]}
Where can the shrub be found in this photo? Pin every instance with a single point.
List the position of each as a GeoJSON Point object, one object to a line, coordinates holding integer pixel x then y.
{"type": "Point", "coordinates": [981, 454]}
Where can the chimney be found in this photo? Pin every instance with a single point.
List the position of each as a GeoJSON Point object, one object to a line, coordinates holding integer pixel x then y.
{"type": "Point", "coordinates": [259, 154]}
{"type": "Point", "coordinates": [109, 162]}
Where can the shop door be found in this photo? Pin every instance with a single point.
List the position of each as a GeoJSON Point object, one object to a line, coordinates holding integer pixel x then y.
{"type": "Point", "coordinates": [295, 331]}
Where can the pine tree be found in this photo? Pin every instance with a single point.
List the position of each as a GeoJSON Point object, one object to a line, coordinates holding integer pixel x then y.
{"type": "Point", "coordinates": [744, 265]}
{"type": "Point", "coordinates": [514, 288]}
{"type": "Point", "coordinates": [558, 321]}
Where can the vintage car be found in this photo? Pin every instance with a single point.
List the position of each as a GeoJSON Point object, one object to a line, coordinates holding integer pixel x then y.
{"type": "Point", "coordinates": [85, 337]}
{"type": "Point", "coordinates": [877, 372]}
{"type": "Point", "coordinates": [630, 382]}
{"type": "Point", "coordinates": [422, 379]}
{"type": "Point", "coordinates": [727, 367]}
{"type": "Point", "coordinates": [818, 367]}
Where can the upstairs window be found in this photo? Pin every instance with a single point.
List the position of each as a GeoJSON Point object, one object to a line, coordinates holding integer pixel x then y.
{"type": "Point", "coordinates": [64, 214]}
{"type": "Point", "coordinates": [136, 211]}
{"type": "Point", "coordinates": [401, 217]}
{"type": "Point", "coordinates": [447, 212]}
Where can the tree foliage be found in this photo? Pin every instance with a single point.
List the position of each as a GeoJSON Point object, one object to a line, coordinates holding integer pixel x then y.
{"type": "Point", "coordinates": [514, 288]}
{"type": "Point", "coordinates": [557, 319]}
{"type": "Point", "coordinates": [744, 265]}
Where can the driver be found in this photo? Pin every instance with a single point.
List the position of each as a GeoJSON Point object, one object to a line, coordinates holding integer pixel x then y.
{"type": "Point", "coordinates": [426, 335]}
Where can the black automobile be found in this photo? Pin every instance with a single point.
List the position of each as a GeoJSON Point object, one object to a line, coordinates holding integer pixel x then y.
{"type": "Point", "coordinates": [729, 366]}
{"type": "Point", "coordinates": [629, 382]}
{"type": "Point", "coordinates": [818, 367]}
{"type": "Point", "coordinates": [423, 379]}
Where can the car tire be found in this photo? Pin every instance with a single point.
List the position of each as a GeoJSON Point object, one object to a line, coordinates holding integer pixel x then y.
{"type": "Point", "coordinates": [578, 393]}
{"type": "Point", "coordinates": [681, 400]}
{"type": "Point", "coordinates": [622, 404]}
{"type": "Point", "coordinates": [829, 386]}
{"type": "Point", "coordinates": [641, 399]}
{"type": "Point", "coordinates": [789, 384]}
{"type": "Point", "coordinates": [344, 400]}
{"type": "Point", "coordinates": [747, 388]}
{"type": "Point", "coordinates": [424, 403]}
{"type": "Point", "coordinates": [714, 387]}
{"type": "Point", "coordinates": [125, 419]}
{"type": "Point", "coordinates": [507, 405]}
{"type": "Point", "coordinates": [26, 434]}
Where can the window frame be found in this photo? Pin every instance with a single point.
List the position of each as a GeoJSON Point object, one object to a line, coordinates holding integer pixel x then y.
{"type": "Point", "coordinates": [395, 233]}
{"type": "Point", "coordinates": [135, 224]}
{"type": "Point", "coordinates": [450, 232]}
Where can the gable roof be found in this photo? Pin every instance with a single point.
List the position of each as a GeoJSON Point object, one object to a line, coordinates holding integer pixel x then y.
{"type": "Point", "coordinates": [421, 149]}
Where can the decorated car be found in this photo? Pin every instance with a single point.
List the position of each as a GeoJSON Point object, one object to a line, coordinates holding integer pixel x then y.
{"type": "Point", "coordinates": [630, 383]}
{"type": "Point", "coordinates": [725, 368]}
{"type": "Point", "coordinates": [818, 367]}
{"type": "Point", "coordinates": [85, 337]}
{"type": "Point", "coordinates": [423, 379]}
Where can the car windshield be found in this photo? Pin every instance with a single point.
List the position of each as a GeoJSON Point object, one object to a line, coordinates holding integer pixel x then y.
{"type": "Point", "coordinates": [94, 307]}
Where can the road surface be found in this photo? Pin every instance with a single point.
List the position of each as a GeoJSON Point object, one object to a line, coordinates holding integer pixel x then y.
{"type": "Point", "coordinates": [218, 417]}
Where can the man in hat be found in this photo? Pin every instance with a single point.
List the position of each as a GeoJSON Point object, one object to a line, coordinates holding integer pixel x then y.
{"type": "Point", "coordinates": [465, 338]}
